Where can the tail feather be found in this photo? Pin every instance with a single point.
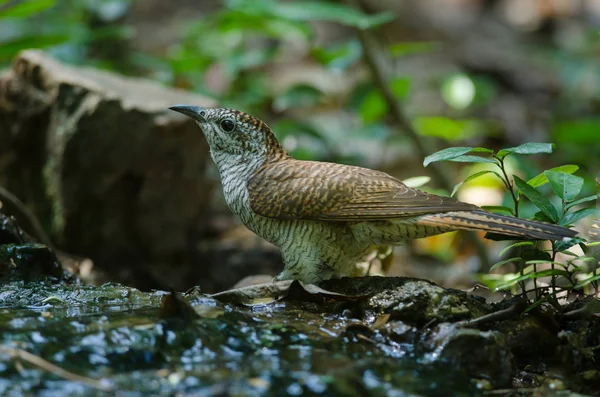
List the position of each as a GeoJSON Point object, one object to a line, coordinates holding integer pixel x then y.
{"type": "Point", "coordinates": [500, 224]}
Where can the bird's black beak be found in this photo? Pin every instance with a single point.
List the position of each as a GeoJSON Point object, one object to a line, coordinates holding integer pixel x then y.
{"type": "Point", "coordinates": [195, 112]}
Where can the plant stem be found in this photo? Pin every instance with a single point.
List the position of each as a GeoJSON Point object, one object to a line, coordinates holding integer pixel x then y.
{"type": "Point", "coordinates": [522, 283]}
{"type": "Point", "coordinates": [396, 111]}
{"type": "Point", "coordinates": [508, 185]}
{"type": "Point", "coordinates": [594, 234]}
{"type": "Point", "coordinates": [535, 286]}
{"type": "Point", "coordinates": [553, 282]}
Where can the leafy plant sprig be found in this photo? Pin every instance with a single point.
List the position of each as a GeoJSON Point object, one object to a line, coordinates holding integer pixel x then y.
{"type": "Point", "coordinates": [573, 275]}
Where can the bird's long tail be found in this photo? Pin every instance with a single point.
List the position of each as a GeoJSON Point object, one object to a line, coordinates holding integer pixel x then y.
{"type": "Point", "coordinates": [494, 223]}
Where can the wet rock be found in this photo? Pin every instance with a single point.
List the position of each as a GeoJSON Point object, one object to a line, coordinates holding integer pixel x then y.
{"type": "Point", "coordinates": [29, 261]}
{"type": "Point", "coordinates": [10, 232]}
{"type": "Point", "coordinates": [419, 302]}
{"type": "Point", "coordinates": [528, 338]}
{"type": "Point", "coordinates": [402, 333]}
{"type": "Point", "coordinates": [23, 259]}
{"type": "Point", "coordinates": [481, 354]}
{"type": "Point", "coordinates": [110, 172]}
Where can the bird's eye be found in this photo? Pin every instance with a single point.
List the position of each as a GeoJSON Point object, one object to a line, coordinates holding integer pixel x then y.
{"type": "Point", "coordinates": [227, 125]}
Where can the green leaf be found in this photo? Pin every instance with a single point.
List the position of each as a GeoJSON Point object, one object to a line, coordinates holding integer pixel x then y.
{"type": "Point", "coordinates": [527, 148]}
{"type": "Point", "coordinates": [536, 198]}
{"type": "Point", "coordinates": [542, 261]}
{"type": "Point", "coordinates": [581, 201]}
{"type": "Point", "coordinates": [586, 281]}
{"type": "Point", "coordinates": [446, 154]}
{"type": "Point", "coordinates": [569, 253]}
{"type": "Point", "coordinates": [26, 8]}
{"type": "Point", "coordinates": [416, 181]}
{"type": "Point", "coordinates": [471, 177]}
{"type": "Point", "coordinates": [452, 153]}
{"type": "Point", "coordinates": [519, 244]}
{"type": "Point", "coordinates": [541, 179]}
{"type": "Point", "coordinates": [473, 159]}
{"type": "Point", "coordinates": [532, 275]}
{"type": "Point", "coordinates": [400, 87]}
{"type": "Point", "coordinates": [498, 209]}
{"type": "Point", "coordinates": [339, 57]}
{"type": "Point", "coordinates": [504, 262]}
{"type": "Point", "coordinates": [333, 12]}
{"type": "Point", "coordinates": [564, 245]}
{"type": "Point", "coordinates": [255, 19]}
{"type": "Point", "coordinates": [573, 217]}
{"type": "Point", "coordinates": [8, 49]}
{"type": "Point", "coordinates": [533, 265]}
{"type": "Point", "coordinates": [414, 47]}
{"type": "Point", "coordinates": [447, 128]}
{"type": "Point", "coordinates": [534, 253]}
{"type": "Point", "coordinates": [373, 107]}
{"type": "Point", "coordinates": [299, 96]}
{"type": "Point", "coordinates": [242, 59]}
{"type": "Point", "coordinates": [540, 216]}
{"type": "Point", "coordinates": [550, 272]}
{"type": "Point", "coordinates": [577, 132]}
{"type": "Point", "coordinates": [566, 186]}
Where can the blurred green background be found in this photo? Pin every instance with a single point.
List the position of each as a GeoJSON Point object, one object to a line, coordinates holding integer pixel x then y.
{"type": "Point", "coordinates": [492, 73]}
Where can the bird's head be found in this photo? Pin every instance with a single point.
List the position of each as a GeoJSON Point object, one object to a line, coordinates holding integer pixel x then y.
{"type": "Point", "coordinates": [234, 132]}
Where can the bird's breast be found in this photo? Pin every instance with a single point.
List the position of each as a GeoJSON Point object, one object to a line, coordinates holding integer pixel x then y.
{"type": "Point", "coordinates": [235, 173]}
{"type": "Point", "coordinates": [235, 177]}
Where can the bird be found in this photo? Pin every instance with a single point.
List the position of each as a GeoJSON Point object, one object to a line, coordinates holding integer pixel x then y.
{"type": "Point", "coordinates": [325, 217]}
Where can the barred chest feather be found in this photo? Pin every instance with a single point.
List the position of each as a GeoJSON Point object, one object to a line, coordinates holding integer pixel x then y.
{"type": "Point", "coordinates": [235, 173]}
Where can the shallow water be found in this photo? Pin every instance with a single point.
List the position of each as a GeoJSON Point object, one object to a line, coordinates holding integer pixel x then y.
{"type": "Point", "coordinates": [119, 338]}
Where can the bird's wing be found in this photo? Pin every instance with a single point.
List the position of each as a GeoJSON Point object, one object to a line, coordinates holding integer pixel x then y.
{"type": "Point", "coordinates": [308, 190]}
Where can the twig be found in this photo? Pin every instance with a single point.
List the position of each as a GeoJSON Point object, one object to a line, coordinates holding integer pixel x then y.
{"type": "Point", "coordinates": [513, 311]}
{"type": "Point", "coordinates": [396, 110]}
{"type": "Point", "coordinates": [33, 226]}
{"type": "Point", "coordinates": [102, 384]}
{"type": "Point", "coordinates": [20, 209]}
{"type": "Point", "coordinates": [403, 122]}
{"type": "Point", "coordinates": [582, 312]}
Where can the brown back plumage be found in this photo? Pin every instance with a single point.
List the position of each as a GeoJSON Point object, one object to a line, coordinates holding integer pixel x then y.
{"type": "Point", "coordinates": [310, 190]}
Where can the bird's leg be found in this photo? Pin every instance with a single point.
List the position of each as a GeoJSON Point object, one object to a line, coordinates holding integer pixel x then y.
{"type": "Point", "coordinates": [305, 268]}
